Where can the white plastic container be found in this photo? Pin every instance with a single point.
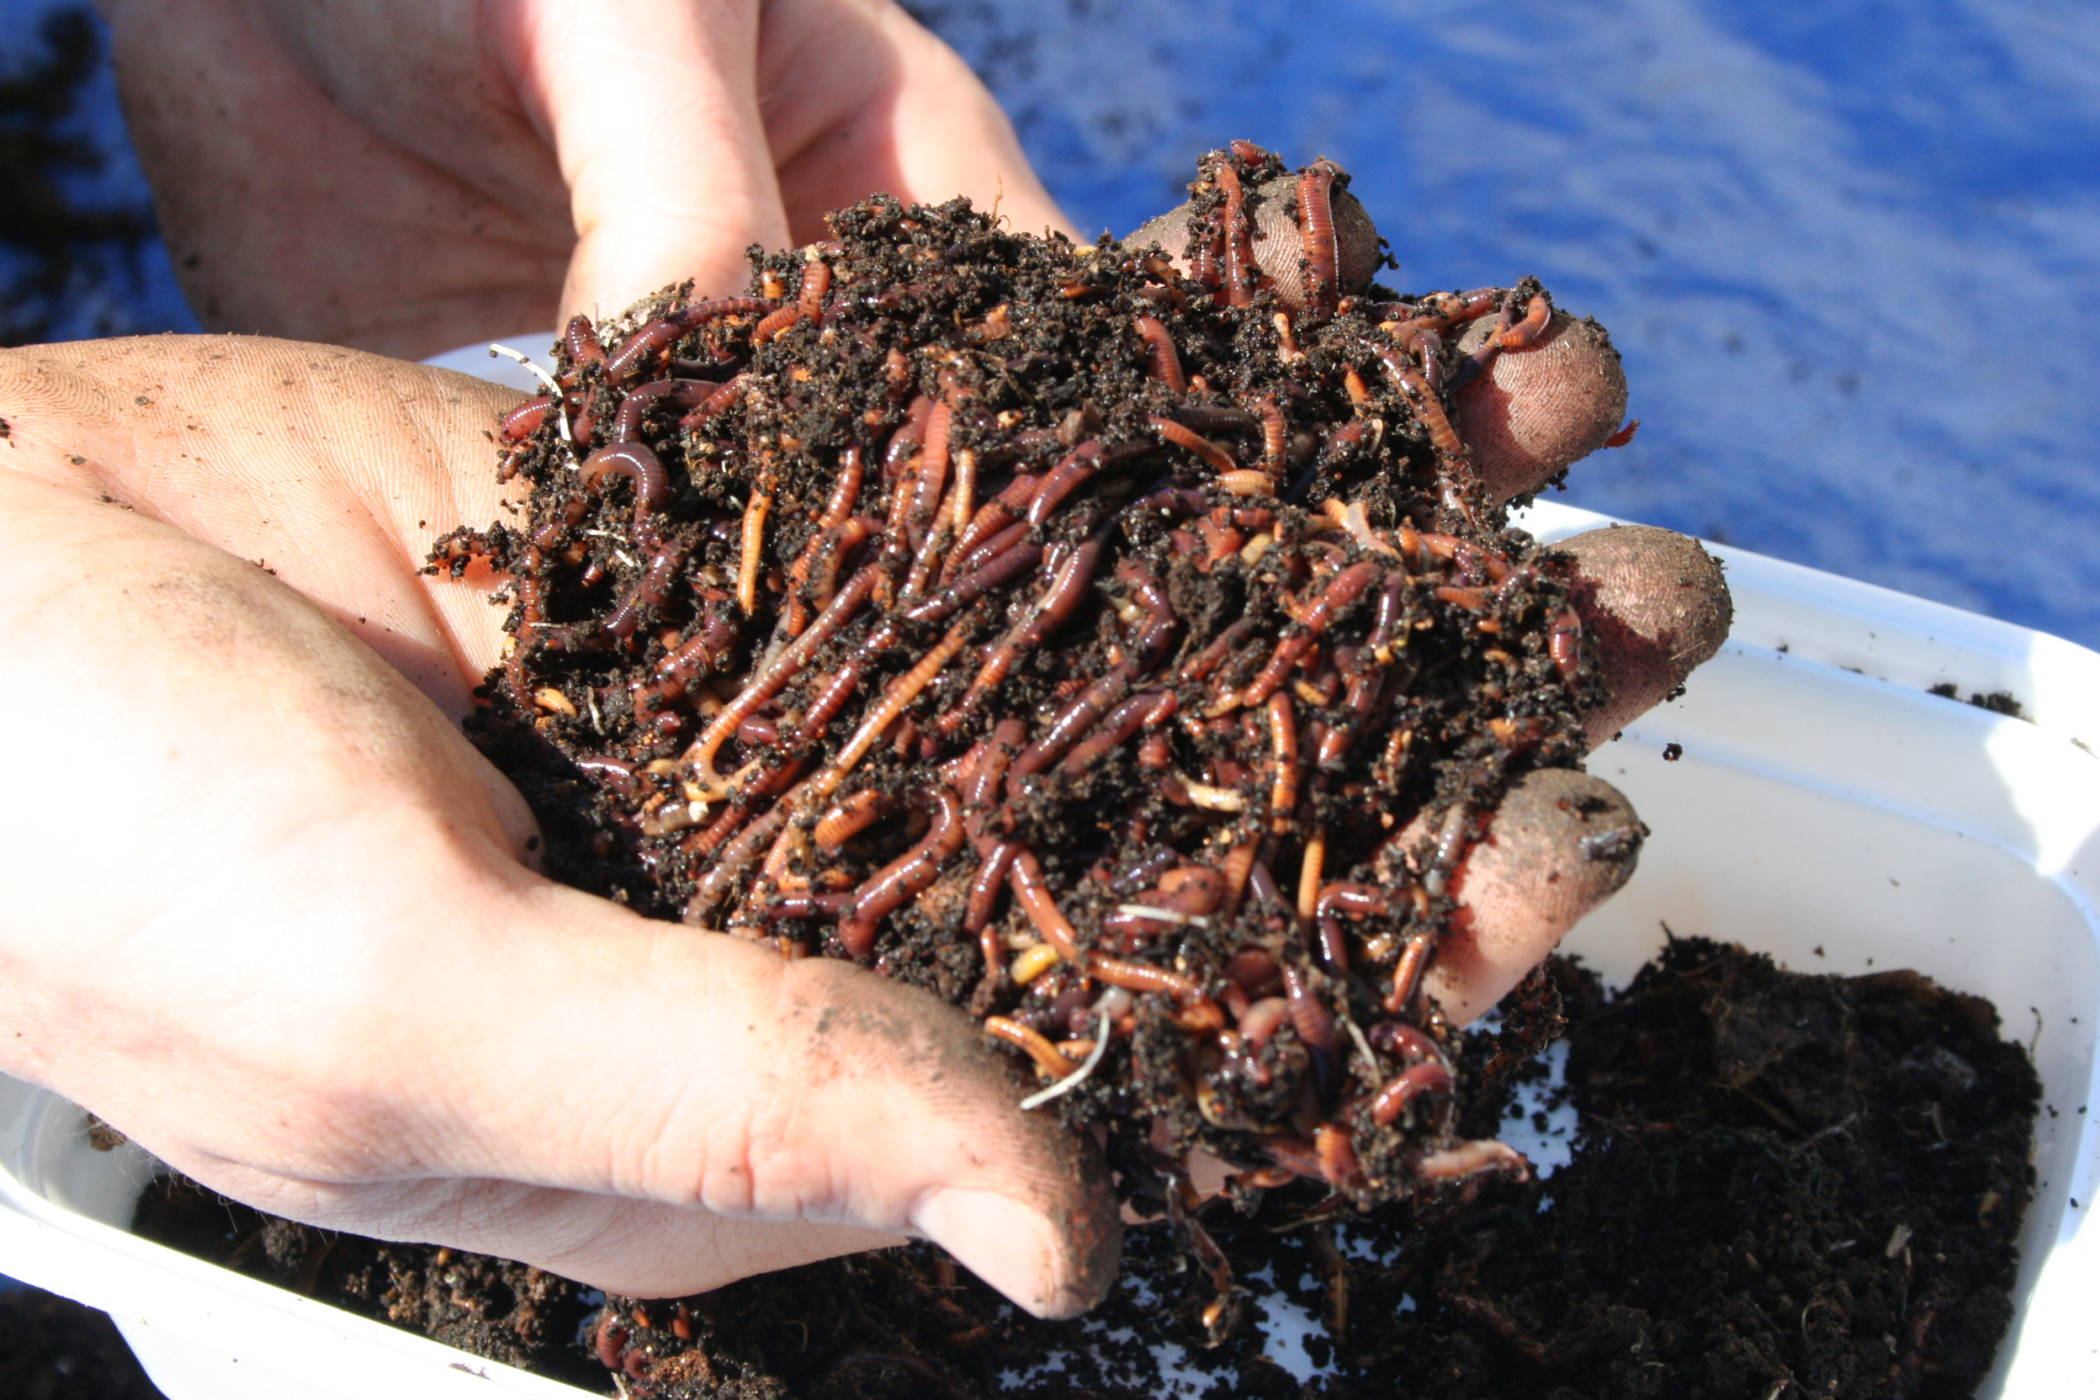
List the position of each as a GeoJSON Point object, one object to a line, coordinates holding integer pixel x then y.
{"type": "Point", "coordinates": [1826, 809]}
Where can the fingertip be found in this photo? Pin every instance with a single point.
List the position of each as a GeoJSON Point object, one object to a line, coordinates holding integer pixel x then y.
{"type": "Point", "coordinates": [1560, 843]}
{"type": "Point", "coordinates": [1052, 1268]}
{"type": "Point", "coordinates": [1659, 607]}
{"type": "Point", "coordinates": [1279, 249]}
{"type": "Point", "coordinates": [1538, 410]}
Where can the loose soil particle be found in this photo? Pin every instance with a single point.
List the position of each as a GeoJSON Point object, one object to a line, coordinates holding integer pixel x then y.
{"type": "Point", "coordinates": [1782, 1184]}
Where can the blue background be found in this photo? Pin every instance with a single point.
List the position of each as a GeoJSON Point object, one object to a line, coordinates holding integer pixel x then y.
{"type": "Point", "coordinates": [1849, 251]}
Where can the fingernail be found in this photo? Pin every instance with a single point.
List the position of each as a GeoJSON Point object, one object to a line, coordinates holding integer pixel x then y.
{"type": "Point", "coordinates": [1003, 1242]}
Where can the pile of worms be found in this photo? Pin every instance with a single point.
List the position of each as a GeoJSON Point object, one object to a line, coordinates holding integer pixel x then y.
{"type": "Point", "coordinates": [1124, 652]}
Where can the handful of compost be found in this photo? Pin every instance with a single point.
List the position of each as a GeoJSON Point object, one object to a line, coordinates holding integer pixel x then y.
{"type": "Point", "coordinates": [1123, 642]}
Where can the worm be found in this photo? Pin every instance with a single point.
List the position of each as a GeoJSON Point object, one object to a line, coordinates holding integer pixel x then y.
{"type": "Point", "coordinates": [700, 758]}
{"type": "Point", "coordinates": [903, 878]}
{"type": "Point", "coordinates": [1316, 236]}
{"type": "Point", "coordinates": [1166, 361]}
{"type": "Point", "coordinates": [1214, 456]}
{"type": "Point", "coordinates": [1403, 1089]}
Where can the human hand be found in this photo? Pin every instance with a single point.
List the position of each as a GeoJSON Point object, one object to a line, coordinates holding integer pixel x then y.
{"type": "Point", "coordinates": [407, 176]}
{"type": "Point", "coordinates": [272, 916]}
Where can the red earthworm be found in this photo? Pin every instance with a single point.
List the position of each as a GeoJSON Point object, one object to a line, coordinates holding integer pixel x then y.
{"type": "Point", "coordinates": [1032, 893]}
{"type": "Point", "coordinates": [1166, 361]}
{"type": "Point", "coordinates": [700, 758]}
{"type": "Point", "coordinates": [1342, 590]}
{"type": "Point", "coordinates": [1404, 1088]}
{"type": "Point", "coordinates": [989, 776]}
{"type": "Point", "coordinates": [1261, 883]}
{"type": "Point", "coordinates": [1079, 714]}
{"type": "Point", "coordinates": [821, 557]}
{"type": "Point", "coordinates": [800, 905]}
{"type": "Point", "coordinates": [1203, 265]}
{"type": "Point", "coordinates": [792, 841]}
{"type": "Point", "coordinates": [636, 462]}
{"type": "Point", "coordinates": [1247, 481]}
{"type": "Point", "coordinates": [758, 733]}
{"type": "Point", "coordinates": [1471, 599]}
{"type": "Point", "coordinates": [1312, 862]}
{"type": "Point", "coordinates": [1156, 637]}
{"type": "Point", "coordinates": [1275, 434]}
{"type": "Point", "coordinates": [1139, 711]}
{"type": "Point", "coordinates": [1625, 434]}
{"type": "Point", "coordinates": [1262, 1019]}
{"type": "Point", "coordinates": [1239, 246]}
{"type": "Point", "coordinates": [1336, 1149]}
{"type": "Point", "coordinates": [1357, 901]}
{"type": "Point", "coordinates": [582, 342]}
{"type": "Point", "coordinates": [1049, 612]}
{"type": "Point", "coordinates": [1407, 972]}
{"type": "Point", "coordinates": [1526, 332]}
{"type": "Point", "coordinates": [610, 1339]}
{"type": "Point", "coordinates": [1247, 153]}
{"type": "Point", "coordinates": [990, 548]}
{"type": "Point", "coordinates": [1283, 743]}
{"type": "Point", "coordinates": [774, 322]}
{"type": "Point", "coordinates": [1218, 541]}
{"type": "Point", "coordinates": [661, 333]}
{"type": "Point", "coordinates": [1452, 838]}
{"type": "Point", "coordinates": [524, 420]}
{"type": "Point", "coordinates": [751, 549]}
{"type": "Point", "coordinates": [829, 693]}
{"type": "Point", "coordinates": [1048, 1058]}
{"type": "Point", "coordinates": [996, 515]}
{"type": "Point", "coordinates": [1214, 418]}
{"type": "Point", "coordinates": [1564, 644]}
{"type": "Point", "coordinates": [650, 591]}
{"type": "Point", "coordinates": [725, 869]}
{"type": "Point", "coordinates": [1255, 970]}
{"type": "Point", "coordinates": [963, 497]}
{"type": "Point", "coordinates": [1214, 456]}
{"type": "Point", "coordinates": [714, 403]}
{"type": "Point", "coordinates": [903, 878]}
{"type": "Point", "coordinates": [1470, 1159]}
{"type": "Point", "coordinates": [1293, 1154]}
{"type": "Point", "coordinates": [1457, 308]}
{"type": "Point", "coordinates": [846, 490]}
{"type": "Point", "coordinates": [686, 393]}
{"type": "Point", "coordinates": [816, 281]}
{"type": "Point", "coordinates": [1225, 644]}
{"type": "Point", "coordinates": [905, 439]}
{"type": "Point", "coordinates": [1063, 479]}
{"type": "Point", "coordinates": [999, 569]}
{"type": "Point", "coordinates": [900, 694]}
{"type": "Point", "coordinates": [1193, 889]}
{"type": "Point", "coordinates": [612, 772]}
{"type": "Point", "coordinates": [1407, 1041]}
{"type": "Point", "coordinates": [717, 635]}
{"type": "Point", "coordinates": [994, 859]}
{"type": "Point", "coordinates": [1317, 237]}
{"type": "Point", "coordinates": [928, 477]}
{"type": "Point", "coordinates": [1314, 1022]}
{"type": "Point", "coordinates": [1144, 977]}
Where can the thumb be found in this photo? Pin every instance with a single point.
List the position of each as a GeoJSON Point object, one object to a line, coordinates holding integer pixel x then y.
{"type": "Point", "coordinates": [653, 114]}
{"type": "Point", "coordinates": [719, 1093]}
